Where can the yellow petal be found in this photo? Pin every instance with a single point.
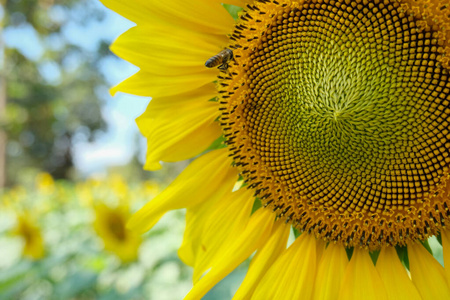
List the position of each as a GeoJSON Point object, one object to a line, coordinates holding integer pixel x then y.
{"type": "Point", "coordinates": [394, 276]}
{"type": "Point", "coordinates": [427, 274]}
{"type": "Point", "coordinates": [155, 85]}
{"type": "Point", "coordinates": [263, 260]}
{"type": "Point", "coordinates": [197, 15]}
{"type": "Point", "coordinates": [179, 127]}
{"type": "Point", "coordinates": [330, 272]}
{"type": "Point", "coordinates": [208, 175]}
{"type": "Point", "coordinates": [321, 246]}
{"type": "Point", "coordinates": [132, 10]}
{"type": "Point", "coordinates": [240, 3]}
{"type": "Point", "coordinates": [256, 233]}
{"type": "Point", "coordinates": [226, 220]}
{"type": "Point", "coordinates": [209, 224]}
{"type": "Point", "coordinates": [165, 106]}
{"type": "Point", "coordinates": [196, 219]}
{"type": "Point", "coordinates": [445, 235]}
{"type": "Point", "coordinates": [293, 273]}
{"type": "Point", "coordinates": [361, 279]}
{"type": "Point", "coordinates": [169, 50]}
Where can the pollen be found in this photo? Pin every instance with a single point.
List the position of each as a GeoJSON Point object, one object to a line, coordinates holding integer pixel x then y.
{"type": "Point", "coordinates": [337, 115]}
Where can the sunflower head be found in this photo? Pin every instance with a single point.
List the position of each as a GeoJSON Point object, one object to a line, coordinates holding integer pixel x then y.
{"type": "Point", "coordinates": [110, 225]}
{"type": "Point", "coordinates": [337, 115]}
{"type": "Point", "coordinates": [31, 234]}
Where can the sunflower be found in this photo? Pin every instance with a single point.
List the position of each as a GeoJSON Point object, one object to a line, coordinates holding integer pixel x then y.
{"type": "Point", "coordinates": [329, 118]}
{"type": "Point", "coordinates": [45, 183]}
{"type": "Point", "coordinates": [31, 234]}
{"type": "Point", "coordinates": [110, 227]}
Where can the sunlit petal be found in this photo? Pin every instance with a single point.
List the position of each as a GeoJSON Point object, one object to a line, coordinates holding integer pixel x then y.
{"type": "Point", "coordinates": [206, 176]}
{"type": "Point", "coordinates": [395, 279]}
{"type": "Point", "coordinates": [330, 272]}
{"type": "Point", "coordinates": [293, 274]}
{"type": "Point", "coordinates": [263, 260]}
{"type": "Point", "coordinates": [427, 274]}
{"type": "Point", "coordinates": [361, 279]}
{"type": "Point", "coordinates": [254, 236]}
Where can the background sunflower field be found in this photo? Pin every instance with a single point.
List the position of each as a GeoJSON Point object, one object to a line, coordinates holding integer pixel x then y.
{"type": "Point", "coordinates": [71, 164]}
{"type": "Point", "coordinates": [54, 243]}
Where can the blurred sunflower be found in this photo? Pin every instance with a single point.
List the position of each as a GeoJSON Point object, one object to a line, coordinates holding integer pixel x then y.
{"type": "Point", "coordinates": [110, 226]}
{"type": "Point", "coordinates": [31, 234]}
{"type": "Point", "coordinates": [45, 183]}
{"type": "Point", "coordinates": [334, 114]}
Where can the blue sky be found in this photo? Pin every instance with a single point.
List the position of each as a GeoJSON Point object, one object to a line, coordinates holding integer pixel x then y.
{"type": "Point", "coordinates": [117, 145]}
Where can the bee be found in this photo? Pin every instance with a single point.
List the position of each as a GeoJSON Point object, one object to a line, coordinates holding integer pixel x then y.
{"type": "Point", "coordinates": [220, 60]}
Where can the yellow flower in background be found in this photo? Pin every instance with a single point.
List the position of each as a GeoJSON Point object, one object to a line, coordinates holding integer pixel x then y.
{"type": "Point", "coordinates": [86, 190]}
{"type": "Point", "coordinates": [45, 183]}
{"type": "Point", "coordinates": [31, 234]}
{"type": "Point", "coordinates": [13, 196]}
{"type": "Point", "coordinates": [110, 226]}
{"type": "Point", "coordinates": [49, 194]}
{"type": "Point", "coordinates": [113, 187]}
{"type": "Point", "coordinates": [118, 184]}
{"type": "Point", "coordinates": [149, 188]}
{"type": "Point", "coordinates": [336, 116]}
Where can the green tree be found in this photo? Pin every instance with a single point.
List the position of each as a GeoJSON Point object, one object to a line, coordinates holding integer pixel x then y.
{"type": "Point", "coordinates": [52, 96]}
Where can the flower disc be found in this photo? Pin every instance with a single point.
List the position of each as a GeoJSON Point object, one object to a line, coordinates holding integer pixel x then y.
{"type": "Point", "coordinates": [337, 114]}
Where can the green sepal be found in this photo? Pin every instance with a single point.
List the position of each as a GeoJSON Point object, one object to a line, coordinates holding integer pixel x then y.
{"type": "Point", "coordinates": [217, 144]}
{"type": "Point", "coordinates": [427, 246]}
{"type": "Point", "coordinates": [349, 252]}
{"type": "Point", "coordinates": [402, 252]}
{"type": "Point", "coordinates": [296, 232]}
{"type": "Point", "coordinates": [256, 205]}
{"type": "Point", "coordinates": [374, 256]}
{"type": "Point", "coordinates": [233, 10]}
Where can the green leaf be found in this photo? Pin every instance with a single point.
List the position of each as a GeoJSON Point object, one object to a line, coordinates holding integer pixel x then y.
{"type": "Point", "coordinates": [15, 275]}
{"type": "Point", "coordinates": [75, 284]}
{"type": "Point", "coordinates": [233, 10]}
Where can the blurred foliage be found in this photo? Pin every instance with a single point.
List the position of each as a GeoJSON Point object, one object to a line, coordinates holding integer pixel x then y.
{"type": "Point", "coordinates": [54, 95]}
{"type": "Point", "coordinates": [75, 259]}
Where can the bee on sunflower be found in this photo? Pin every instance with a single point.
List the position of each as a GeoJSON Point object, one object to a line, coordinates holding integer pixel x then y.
{"type": "Point", "coordinates": [333, 120]}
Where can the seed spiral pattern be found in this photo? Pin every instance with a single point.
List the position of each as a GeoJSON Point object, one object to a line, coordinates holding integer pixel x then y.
{"type": "Point", "coordinates": [337, 113]}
